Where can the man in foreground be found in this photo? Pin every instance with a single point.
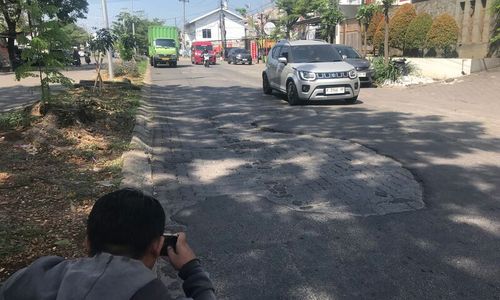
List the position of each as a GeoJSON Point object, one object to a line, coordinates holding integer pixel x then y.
{"type": "Point", "coordinates": [124, 239]}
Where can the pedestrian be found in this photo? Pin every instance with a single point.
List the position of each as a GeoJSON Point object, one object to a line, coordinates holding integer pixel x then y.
{"type": "Point", "coordinates": [124, 239]}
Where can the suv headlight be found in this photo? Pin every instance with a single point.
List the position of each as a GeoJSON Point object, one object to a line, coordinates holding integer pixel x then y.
{"type": "Point", "coordinates": [353, 74]}
{"type": "Point", "coordinates": [309, 76]}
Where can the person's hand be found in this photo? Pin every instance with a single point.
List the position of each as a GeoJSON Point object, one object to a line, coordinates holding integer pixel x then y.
{"type": "Point", "coordinates": [182, 253]}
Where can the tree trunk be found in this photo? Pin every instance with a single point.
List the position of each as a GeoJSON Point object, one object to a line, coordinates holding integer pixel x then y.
{"type": "Point", "coordinates": [10, 43]}
{"type": "Point", "coordinates": [386, 39]}
{"type": "Point", "coordinates": [365, 39]}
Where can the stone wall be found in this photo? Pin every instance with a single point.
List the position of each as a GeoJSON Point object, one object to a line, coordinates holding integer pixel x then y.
{"type": "Point", "coordinates": [436, 7]}
{"type": "Point", "coordinates": [473, 19]}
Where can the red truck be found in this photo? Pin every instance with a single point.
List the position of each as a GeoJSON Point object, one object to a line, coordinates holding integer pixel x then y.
{"type": "Point", "coordinates": [197, 50]}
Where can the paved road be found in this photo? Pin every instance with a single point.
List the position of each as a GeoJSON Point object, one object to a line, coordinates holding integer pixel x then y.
{"type": "Point", "coordinates": [395, 197]}
{"type": "Point", "coordinates": [14, 94]}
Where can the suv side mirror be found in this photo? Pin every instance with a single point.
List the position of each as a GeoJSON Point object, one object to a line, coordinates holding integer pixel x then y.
{"type": "Point", "coordinates": [344, 57]}
{"type": "Point", "coordinates": [283, 60]}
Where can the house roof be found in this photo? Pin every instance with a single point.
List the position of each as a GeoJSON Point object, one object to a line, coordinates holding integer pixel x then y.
{"type": "Point", "coordinates": [215, 11]}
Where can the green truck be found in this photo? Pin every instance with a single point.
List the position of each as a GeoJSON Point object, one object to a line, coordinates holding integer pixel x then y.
{"type": "Point", "coordinates": [163, 45]}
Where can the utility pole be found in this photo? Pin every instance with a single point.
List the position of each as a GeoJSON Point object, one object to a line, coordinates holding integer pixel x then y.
{"type": "Point", "coordinates": [106, 24]}
{"type": "Point", "coordinates": [222, 27]}
{"type": "Point", "coordinates": [133, 27]}
{"type": "Point", "coordinates": [183, 25]}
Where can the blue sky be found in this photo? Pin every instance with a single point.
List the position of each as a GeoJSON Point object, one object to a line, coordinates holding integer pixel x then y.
{"type": "Point", "coordinates": [168, 10]}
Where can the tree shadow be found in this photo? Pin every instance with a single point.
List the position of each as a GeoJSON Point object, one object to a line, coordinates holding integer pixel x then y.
{"type": "Point", "coordinates": [249, 239]}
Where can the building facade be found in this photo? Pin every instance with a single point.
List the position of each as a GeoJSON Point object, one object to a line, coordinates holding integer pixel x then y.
{"type": "Point", "coordinates": [208, 28]}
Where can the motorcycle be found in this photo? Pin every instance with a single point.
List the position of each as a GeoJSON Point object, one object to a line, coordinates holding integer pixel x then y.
{"type": "Point", "coordinates": [206, 60]}
{"type": "Point", "coordinates": [87, 58]}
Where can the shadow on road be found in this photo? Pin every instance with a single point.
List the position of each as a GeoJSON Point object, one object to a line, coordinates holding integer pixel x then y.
{"type": "Point", "coordinates": [258, 249]}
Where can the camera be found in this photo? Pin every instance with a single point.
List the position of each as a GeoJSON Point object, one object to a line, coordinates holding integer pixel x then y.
{"type": "Point", "coordinates": [170, 240]}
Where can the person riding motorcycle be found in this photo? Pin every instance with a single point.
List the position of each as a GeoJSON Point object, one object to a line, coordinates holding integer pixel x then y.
{"type": "Point", "coordinates": [206, 58]}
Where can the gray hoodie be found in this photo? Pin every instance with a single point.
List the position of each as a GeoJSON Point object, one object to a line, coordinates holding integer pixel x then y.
{"type": "Point", "coordinates": [95, 277]}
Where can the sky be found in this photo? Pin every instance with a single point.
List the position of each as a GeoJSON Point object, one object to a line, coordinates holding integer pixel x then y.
{"type": "Point", "coordinates": [171, 11]}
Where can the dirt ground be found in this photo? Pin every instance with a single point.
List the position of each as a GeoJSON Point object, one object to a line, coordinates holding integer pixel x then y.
{"type": "Point", "coordinates": [53, 170]}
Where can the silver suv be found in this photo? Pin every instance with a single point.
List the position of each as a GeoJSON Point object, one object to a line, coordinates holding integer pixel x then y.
{"type": "Point", "coordinates": [309, 70]}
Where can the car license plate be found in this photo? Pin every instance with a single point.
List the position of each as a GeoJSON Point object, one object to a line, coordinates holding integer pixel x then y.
{"type": "Point", "coordinates": [165, 58]}
{"type": "Point", "coordinates": [362, 74]}
{"type": "Point", "coordinates": [244, 59]}
{"type": "Point", "coordinates": [337, 90]}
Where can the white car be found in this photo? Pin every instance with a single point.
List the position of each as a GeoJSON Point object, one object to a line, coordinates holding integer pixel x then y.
{"type": "Point", "coordinates": [309, 70]}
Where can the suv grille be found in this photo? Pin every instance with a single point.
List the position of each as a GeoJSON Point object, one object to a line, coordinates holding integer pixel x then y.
{"type": "Point", "coordinates": [332, 75]}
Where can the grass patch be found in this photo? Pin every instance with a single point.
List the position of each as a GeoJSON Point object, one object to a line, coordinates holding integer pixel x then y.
{"type": "Point", "coordinates": [16, 239]}
{"type": "Point", "coordinates": [67, 159]}
{"type": "Point", "coordinates": [142, 66]}
{"type": "Point", "coordinates": [15, 119]}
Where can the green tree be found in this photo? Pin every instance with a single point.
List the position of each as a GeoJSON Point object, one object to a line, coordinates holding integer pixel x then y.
{"type": "Point", "coordinates": [126, 44]}
{"type": "Point", "coordinates": [102, 42]}
{"type": "Point", "coordinates": [416, 33]}
{"type": "Point", "coordinates": [126, 21]}
{"type": "Point", "coordinates": [386, 5]}
{"type": "Point", "coordinates": [44, 55]}
{"type": "Point", "coordinates": [330, 16]}
{"type": "Point", "coordinates": [292, 10]}
{"type": "Point", "coordinates": [495, 34]}
{"type": "Point", "coordinates": [399, 25]}
{"type": "Point", "coordinates": [76, 34]}
{"type": "Point", "coordinates": [63, 11]}
{"type": "Point", "coordinates": [242, 11]}
{"type": "Point", "coordinates": [443, 33]}
{"type": "Point", "coordinates": [364, 15]}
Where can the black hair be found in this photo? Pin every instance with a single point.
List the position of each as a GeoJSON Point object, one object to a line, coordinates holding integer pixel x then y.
{"type": "Point", "coordinates": [124, 222]}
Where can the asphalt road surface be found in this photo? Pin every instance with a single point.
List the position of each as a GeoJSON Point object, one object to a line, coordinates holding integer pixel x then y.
{"type": "Point", "coordinates": [394, 197]}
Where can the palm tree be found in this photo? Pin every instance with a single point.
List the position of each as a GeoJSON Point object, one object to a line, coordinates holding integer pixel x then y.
{"type": "Point", "coordinates": [386, 4]}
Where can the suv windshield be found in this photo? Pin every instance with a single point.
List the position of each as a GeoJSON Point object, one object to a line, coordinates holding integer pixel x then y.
{"type": "Point", "coordinates": [203, 48]}
{"type": "Point", "coordinates": [314, 53]}
{"type": "Point", "coordinates": [165, 43]}
{"type": "Point", "coordinates": [349, 52]}
{"type": "Point", "coordinates": [240, 51]}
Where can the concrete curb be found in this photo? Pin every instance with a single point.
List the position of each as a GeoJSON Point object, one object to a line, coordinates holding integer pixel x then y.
{"type": "Point", "coordinates": [136, 170]}
{"type": "Point", "coordinates": [137, 173]}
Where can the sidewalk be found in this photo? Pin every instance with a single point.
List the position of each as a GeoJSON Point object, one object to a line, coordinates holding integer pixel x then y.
{"type": "Point", "coordinates": [15, 94]}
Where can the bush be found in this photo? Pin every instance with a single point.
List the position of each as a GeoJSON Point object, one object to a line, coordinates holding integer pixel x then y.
{"type": "Point", "coordinates": [374, 23]}
{"type": "Point", "coordinates": [416, 33]}
{"type": "Point", "coordinates": [385, 72]}
{"type": "Point", "coordinates": [129, 68]}
{"type": "Point", "coordinates": [392, 71]}
{"type": "Point", "coordinates": [399, 24]}
{"type": "Point", "coordinates": [126, 44]}
{"type": "Point", "coordinates": [378, 39]}
{"type": "Point", "coordinates": [443, 33]}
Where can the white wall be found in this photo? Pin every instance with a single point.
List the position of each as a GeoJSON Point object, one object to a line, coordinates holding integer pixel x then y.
{"type": "Point", "coordinates": [444, 68]}
{"type": "Point", "coordinates": [234, 28]}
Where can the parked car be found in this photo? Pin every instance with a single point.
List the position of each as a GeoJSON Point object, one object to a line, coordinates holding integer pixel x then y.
{"type": "Point", "coordinates": [362, 65]}
{"type": "Point", "coordinates": [309, 70]}
{"type": "Point", "coordinates": [226, 52]}
{"type": "Point", "coordinates": [239, 55]}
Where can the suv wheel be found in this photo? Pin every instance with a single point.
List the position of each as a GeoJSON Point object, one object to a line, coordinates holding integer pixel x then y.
{"type": "Point", "coordinates": [266, 87]}
{"type": "Point", "coordinates": [292, 94]}
{"type": "Point", "coordinates": [351, 100]}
